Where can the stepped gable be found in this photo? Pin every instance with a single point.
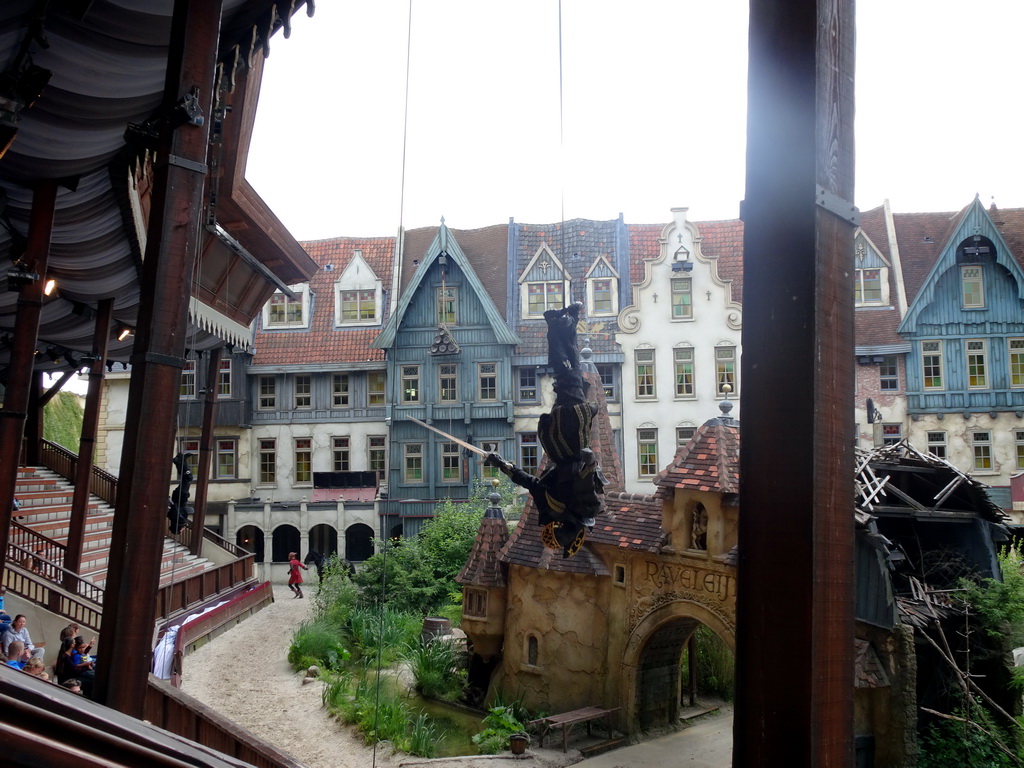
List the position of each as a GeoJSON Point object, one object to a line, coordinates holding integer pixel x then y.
{"type": "Point", "coordinates": [709, 462]}
{"type": "Point", "coordinates": [323, 342]}
{"type": "Point", "coordinates": [633, 522]}
{"type": "Point", "coordinates": [483, 568]}
{"type": "Point", "coordinates": [524, 546]}
{"type": "Point", "coordinates": [486, 249]}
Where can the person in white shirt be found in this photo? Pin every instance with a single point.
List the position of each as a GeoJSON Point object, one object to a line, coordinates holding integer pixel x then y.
{"type": "Point", "coordinates": [18, 631]}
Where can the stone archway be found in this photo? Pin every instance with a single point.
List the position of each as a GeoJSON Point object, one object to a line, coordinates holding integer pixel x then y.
{"type": "Point", "coordinates": [650, 661]}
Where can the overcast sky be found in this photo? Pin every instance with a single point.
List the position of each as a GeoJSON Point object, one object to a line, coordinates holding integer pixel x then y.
{"type": "Point", "coordinates": [654, 110]}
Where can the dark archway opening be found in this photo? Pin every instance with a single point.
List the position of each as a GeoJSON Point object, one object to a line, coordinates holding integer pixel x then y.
{"type": "Point", "coordinates": [250, 538]}
{"type": "Point", "coordinates": [358, 543]}
{"type": "Point", "coordinates": [286, 539]}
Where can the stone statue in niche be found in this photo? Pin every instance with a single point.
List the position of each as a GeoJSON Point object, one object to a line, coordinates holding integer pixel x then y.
{"type": "Point", "coordinates": [699, 537]}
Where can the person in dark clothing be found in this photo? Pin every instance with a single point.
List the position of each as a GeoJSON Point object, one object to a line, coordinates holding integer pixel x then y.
{"type": "Point", "coordinates": [569, 493]}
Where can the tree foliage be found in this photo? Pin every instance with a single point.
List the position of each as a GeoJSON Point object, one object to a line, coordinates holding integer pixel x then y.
{"type": "Point", "coordinates": [62, 420]}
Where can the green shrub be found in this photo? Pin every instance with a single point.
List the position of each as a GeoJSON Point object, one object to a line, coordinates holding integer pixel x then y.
{"type": "Point", "coordinates": [961, 744]}
{"type": "Point", "coordinates": [316, 642]}
{"type": "Point", "coordinates": [501, 723]}
{"type": "Point", "coordinates": [715, 665]}
{"type": "Point", "coordinates": [435, 668]}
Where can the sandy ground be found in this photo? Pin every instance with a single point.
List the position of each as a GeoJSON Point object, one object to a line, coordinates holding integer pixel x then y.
{"type": "Point", "coordinates": [244, 674]}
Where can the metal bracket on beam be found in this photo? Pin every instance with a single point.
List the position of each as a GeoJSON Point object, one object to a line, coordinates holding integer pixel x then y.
{"type": "Point", "coordinates": [833, 203]}
{"type": "Point", "coordinates": [190, 165]}
{"type": "Point", "coordinates": [158, 359]}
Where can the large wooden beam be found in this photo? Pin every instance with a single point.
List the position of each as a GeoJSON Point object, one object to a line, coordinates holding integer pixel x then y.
{"type": "Point", "coordinates": [173, 238]}
{"type": "Point", "coordinates": [794, 660]}
{"type": "Point", "coordinates": [20, 376]}
{"type": "Point", "coordinates": [206, 452]}
{"type": "Point", "coordinates": [87, 444]}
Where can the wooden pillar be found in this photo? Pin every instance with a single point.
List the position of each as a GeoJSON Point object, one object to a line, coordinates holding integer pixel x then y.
{"type": "Point", "coordinates": [205, 451]}
{"type": "Point", "coordinates": [87, 444]}
{"type": "Point", "coordinates": [34, 420]}
{"type": "Point", "coordinates": [173, 238]}
{"type": "Point", "coordinates": [794, 660]}
{"type": "Point", "coordinates": [20, 378]}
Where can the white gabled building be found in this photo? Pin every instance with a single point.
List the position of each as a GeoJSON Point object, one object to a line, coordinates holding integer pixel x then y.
{"type": "Point", "coordinates": [680, 337]}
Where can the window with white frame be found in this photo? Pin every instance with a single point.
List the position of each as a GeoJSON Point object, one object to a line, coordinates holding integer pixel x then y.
{"type": "Point", "coordinates": [341, 454]}
{"type": "Point", "coordinates": [683, 358]}
{"type": "Point", "coordinates": [340, 390]}
{"type": "Point", "coordinates": [647, 451]}
{"type": "Point", "coordinates": [528, 391]}
{"type": "Point", "coordinates": [413, 457]}
{"type": "Point", "coordinates": [282, 311]}
{"type": "Point", "coordinates": [1018, 440]}
{"type": "Point", "coordinates": [544, 296]}
{"type": "Point", "coordinates": [977, 364]}
{"type": "Point", "coordinates": [303, 392]}
{"type": "Point", "coordinates": [937, 444]}
{"type": "Point", "coordinates": [410, 383]}
{"type": "Point", "coordinates": [682, 298]}
{"type": "Point", "coordinates": [931, 364]}
{"type": "Point", "coordinates": [187, 387]}
{"type": "Point", "coordinates": [529, 452]}
{"type": "Point", "coordinates": [448, 382]}
{"type": "Point", "coordinates": [190, 447]}
{"type": "Point", "coordinates": [603, 298]}
{"type": "Point", "coordinates": [725, 370]}
{"type": "Point", "coordinates": [226, 464]}
{"type": "Point", "coordinates": [644, 364]}
{"type": "Point", "coordinates": [303, 460]}
{"type": "Point", "coordinates": [981, 443]}
{"type": "Point", "coordinates": [451, 462]}
{"type": "Point", "coordinates": [891, 434]}
{"type": "Point", "coordinates": [972, 285]}
{"type": "Point", "coordinates": [684, 435]}
{"type": "Point", "coordinates": [268, 461]}
{"type": "Point", "coordinates": [447, 305]}
{"type": "Point", "coordinates": [609, 373]}
{"type": "Point", "coordinates": [1015, 353]}
{"type": "Point", "coordinates": [224, 378]}
{"type": "Point", "coordinates": [868, 286]}
{"type": "Point", "coordinates": [376, 455]}
{"type": "Point", "coordinates": [487, 378]}
{"type": "Point", "coordinates": [267, 393]}
{"type": "Point", "coordinates": [375, 387]}
{"type": "Point", "coordinates": [357, 294]}
{"type": "Point", "coordinates": [889, 373]}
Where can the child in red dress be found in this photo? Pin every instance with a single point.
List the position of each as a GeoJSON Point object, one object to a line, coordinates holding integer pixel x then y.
{"type": "Point", "coordinates": [294, 577]}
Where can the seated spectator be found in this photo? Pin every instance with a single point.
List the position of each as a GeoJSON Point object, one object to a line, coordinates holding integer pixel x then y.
{"type": "Point", "coordinates": [73, 684]}
{"type": "Point", "coordinates": [75, 664]}
{"type": "Point", "coordinates": [80, 655]}
{"type": "Point", "coordinates": [71, 630]}
{"type": "Point", "coordinates": [18, 631]}
{"type": "Point", "coordinates": [36, 668]}
{"type": "Point", "coordinates": [3, 591]}
{"type": "Point", "coordinates": [17, 656]}
{"type": "Point", "coordinates": [62, 667]}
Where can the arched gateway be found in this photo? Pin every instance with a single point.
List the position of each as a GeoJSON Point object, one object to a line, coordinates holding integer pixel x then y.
{"type": "Point", "coordinates": [608, 626]}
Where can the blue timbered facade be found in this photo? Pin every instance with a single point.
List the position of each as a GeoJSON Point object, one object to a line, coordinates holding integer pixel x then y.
{"type": "Point", "coordinates": [449, 353]}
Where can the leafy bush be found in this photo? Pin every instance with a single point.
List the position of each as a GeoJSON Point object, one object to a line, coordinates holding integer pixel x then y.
{"type": "Point", "coordinates": [963, 744]}
{"type": "Point", "coordinates": [62, 420]}
{"type": "Point", "coordinates": [715, 665]}
{"type": "Point", "coordinates": [317, 642]}
{"type": "Point", "coordinates": [501, 723]}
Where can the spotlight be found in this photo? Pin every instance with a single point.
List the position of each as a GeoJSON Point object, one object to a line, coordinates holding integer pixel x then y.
{"type": "Point", "coordinates": [18, 278]}
{"type": "Point", "coordinates": [48, 288]}
{"type": "Point", "coordinates": [124, 333]}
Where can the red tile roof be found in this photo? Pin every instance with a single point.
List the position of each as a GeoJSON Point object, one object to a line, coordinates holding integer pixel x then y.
{"type": "Point", "coordinates": [724, 240]}
{"type": "Point", "coordinates": [322, 342]}
{"type": "Point", "coordinates": [709, 462]}
{"type": "Point", "coordinates": [483, 568]}
{"type": "Point", "coordinates": [633, 522]}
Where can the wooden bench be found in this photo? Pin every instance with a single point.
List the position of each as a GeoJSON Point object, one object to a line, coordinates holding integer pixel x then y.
{"type": "Point", "coordinates": [566, 719]}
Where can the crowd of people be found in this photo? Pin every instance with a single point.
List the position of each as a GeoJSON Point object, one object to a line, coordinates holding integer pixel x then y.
{"type": "Point", "coordinates": [74, 668]}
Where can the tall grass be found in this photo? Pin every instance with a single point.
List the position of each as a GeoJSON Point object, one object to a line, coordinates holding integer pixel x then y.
{"type": "Point", "coordinates": [435, 666]}
{"type": "Point", "coordinates": [715, 665]}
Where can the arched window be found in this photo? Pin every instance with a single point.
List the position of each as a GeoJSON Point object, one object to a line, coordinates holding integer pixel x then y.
{"type": "Point", "coordinates": [532, 650]}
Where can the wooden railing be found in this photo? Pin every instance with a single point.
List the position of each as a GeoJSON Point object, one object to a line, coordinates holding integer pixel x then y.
{"type": "Point", "coordinates": [46, 588]}
{"type": "Point", "coordinates": [43, 724]}
{"type": "Point", "coordinates": [59, 459]}
{"type": "Point", "coordinates": [181, 595]}
{"type": "Point", "coordinates": [42, 547]}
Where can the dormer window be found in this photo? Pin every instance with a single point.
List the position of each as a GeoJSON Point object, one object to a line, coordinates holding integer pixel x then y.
{"type": "Point", "coordinates": [283, 311]}
{"type": "Point", "coordinates": [868, 286]}
{"type": "Point", "coordinates": [543, 284]}
{"type": "Point", "coordinates": [602, 288]}
{"type": "Point", "coordinates": [972, 285]}
{"type": "Point", "coordinates": [541, 297]}
{"type": "Point", "coordinates": [358, 294]}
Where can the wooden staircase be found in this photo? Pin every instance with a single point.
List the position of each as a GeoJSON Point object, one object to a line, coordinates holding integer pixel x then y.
{"type": "Point", "coordinates": [45, 499]}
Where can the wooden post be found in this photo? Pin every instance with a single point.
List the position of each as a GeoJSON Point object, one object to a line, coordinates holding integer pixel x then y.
{"type": "Point", "coordinates": [34, 420]}
{"type": "Point", "coordinates": [20, 376]}
{"type": "Point", "coordinates": [794, 660]}
{"type": "Point", "coordinates": [140, 521]}
{"type": "Point", "coordinates": [205, 452]}
{"type": "Point", "coordinates": [87, 444]}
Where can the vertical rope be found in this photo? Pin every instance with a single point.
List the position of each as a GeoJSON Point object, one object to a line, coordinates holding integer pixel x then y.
{"type": "Point", "coordinates": [401, 234]}
{"type": "Point", "coordinates": [566, 300]}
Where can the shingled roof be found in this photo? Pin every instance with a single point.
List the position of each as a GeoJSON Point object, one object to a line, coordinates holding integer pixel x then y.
{"type": "Point", "coordinates": [323, 342]}
{"type": "Point", "coordinates": [633, 521]}
{"type": "Point", "coordinates": [483, 568]}
{"type": "Point", "coordinates": [709, 462]}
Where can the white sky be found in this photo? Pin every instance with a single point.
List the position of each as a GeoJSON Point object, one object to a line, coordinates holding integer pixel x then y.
{"type": "Point", "coordinates": [654, 106]}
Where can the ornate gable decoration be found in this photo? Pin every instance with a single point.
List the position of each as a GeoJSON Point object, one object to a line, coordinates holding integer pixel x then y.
{"type": "Point", "coordinates": [444, 343]}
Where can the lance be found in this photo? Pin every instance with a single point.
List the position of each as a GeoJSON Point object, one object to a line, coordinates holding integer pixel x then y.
{"type": "Point", "coordinates": [463, 443]}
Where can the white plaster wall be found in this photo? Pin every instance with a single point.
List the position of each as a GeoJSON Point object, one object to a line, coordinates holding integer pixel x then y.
{"type": "Point", "coordinates": [647, 322]}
